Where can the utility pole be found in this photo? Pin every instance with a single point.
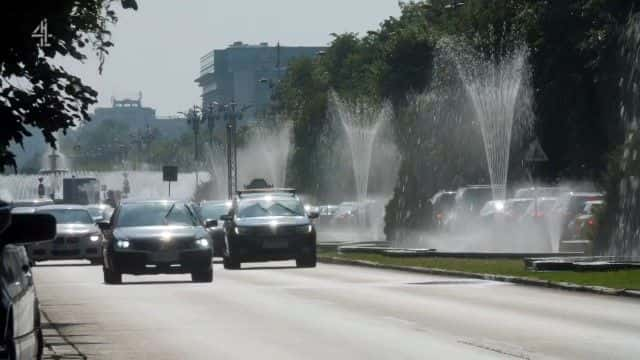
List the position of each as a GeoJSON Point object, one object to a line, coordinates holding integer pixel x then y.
{"type": "Point", "coordinates": [232, 148]}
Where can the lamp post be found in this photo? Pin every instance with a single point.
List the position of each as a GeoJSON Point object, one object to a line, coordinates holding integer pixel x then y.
{"type": "Point", "coordinates": [195, 118]}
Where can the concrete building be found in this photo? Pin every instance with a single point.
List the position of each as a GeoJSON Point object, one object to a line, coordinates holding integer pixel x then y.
{"type": "Point", "coordinates": [138, 117]}
{"type": "Point", "coordinates": [247, 74]}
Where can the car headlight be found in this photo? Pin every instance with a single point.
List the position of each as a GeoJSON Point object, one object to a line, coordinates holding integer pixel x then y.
{"type": "Point", "coordinates": [123, 244]}
{"type": "Point", "coordinates": [203, 243]}
{"type": "Point", "coordinates": [241, 230]}
{"type": "Point", "coordinates": [94, 238]}
{"type": "Point", "coordinates": [304, 229]}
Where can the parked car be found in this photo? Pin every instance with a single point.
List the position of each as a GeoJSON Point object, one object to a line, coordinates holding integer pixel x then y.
{"type": "Point", "coordinates": [156, 237]}
{"type": "Point", "coordinates": [540, 191]}
{"type": "Point", "coordinates": [585, 225]}
{"type": "Point", "coordinates": [346, 215]}
{"type": "Point", "coordinates": [78, 237]}
{"type": "Point", "coordinates": [442, 204]}
{"type": "Point", "coordinates": [210, 212]}
{"type": "Point", "coordinates": [20, 327]}
{"type": "Point", "coordinates": [327, 212]}
{"type": "Point", "coordinates": [269, 225]}
{"type": "Point", "coordinates": [567, 209]}
{"type": "Point", "coordinates": [468, 203]}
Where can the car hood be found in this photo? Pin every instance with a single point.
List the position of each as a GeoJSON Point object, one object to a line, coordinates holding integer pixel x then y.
{"type": "Point", "coordinates": [273, 221]}
{"type": "Point", "coordinates": [158, 232]}
{"type": "Point", "coordinates": [79, 229]}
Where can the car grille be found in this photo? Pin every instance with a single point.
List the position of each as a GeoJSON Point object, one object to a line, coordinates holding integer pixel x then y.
{"type": "Point", "coordinates": [270, 231]}
{"type": "Point", "coordinates": [68, 240]}
{"type": "Point", "coordinates": [155, 244]}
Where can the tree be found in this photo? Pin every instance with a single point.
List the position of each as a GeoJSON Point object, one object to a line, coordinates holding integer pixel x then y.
{"type": "Point", "coordinates": [35, 92]}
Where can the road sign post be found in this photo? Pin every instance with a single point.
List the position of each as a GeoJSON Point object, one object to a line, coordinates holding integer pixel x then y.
{"type": "Point", "coordinates": [169, 174]}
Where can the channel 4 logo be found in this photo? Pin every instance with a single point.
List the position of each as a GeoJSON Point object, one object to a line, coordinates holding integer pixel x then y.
{"type": "Point", "coordinates": [41, 33]}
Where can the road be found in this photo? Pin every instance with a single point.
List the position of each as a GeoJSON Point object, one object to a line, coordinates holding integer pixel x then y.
{"type": "Point", "coordinates": [274, 311]}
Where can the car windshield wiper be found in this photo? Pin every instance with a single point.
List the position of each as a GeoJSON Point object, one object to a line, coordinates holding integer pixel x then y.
{"type": "Point", "coordinates": [166, 222]}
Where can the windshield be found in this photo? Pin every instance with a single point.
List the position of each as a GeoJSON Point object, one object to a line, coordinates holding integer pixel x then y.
{"type": "Point", "coordinates": [270, 207]}
{"type": "Point", "coordinates": [160, 214]}
{"type": "Point", "coordinates": [213, 211]}
{"type": "Point", "coordinates": [64, 216]}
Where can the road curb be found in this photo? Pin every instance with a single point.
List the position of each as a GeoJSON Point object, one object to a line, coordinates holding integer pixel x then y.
{"type": "Point", "coordinates": [56, 345]}
{"type": "Point", "coordinates": [493, 277]}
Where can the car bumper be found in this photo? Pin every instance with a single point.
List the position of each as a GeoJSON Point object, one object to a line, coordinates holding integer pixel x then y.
{"type": "Point", "coordinates": [245, 249]}
{"type": "Point", "coordinates": [160, 262]}
{"type": "Point", "coordinates": [51, 251]}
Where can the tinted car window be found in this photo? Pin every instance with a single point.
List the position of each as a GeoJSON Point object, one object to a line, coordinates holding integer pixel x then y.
{"type": "Point", "coordinates": [64, 216]}
{"type": "Point", "coordinates": [270, 207]}
{"type": "Point", "coordinates": [213, 211]}
{"type": "Point", "coordinates": [155, 215]}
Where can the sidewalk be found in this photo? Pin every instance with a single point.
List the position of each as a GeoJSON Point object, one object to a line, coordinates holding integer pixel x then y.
{"type": "Point", "coordinates": [56, 346]}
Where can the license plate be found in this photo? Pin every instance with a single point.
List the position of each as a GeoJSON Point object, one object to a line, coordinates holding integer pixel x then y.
{"type": "Point", "coordinates": [275, 244]}
{"type": "Point", "coordinates": [164, 256]}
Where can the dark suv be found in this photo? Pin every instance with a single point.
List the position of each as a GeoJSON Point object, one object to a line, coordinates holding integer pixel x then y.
{"type": "Point", "coordinates": [269, 225]}
{"type": "Point", "coordinates": [156, 237]}
{"type": "Point", "coordinates": [469, 201]}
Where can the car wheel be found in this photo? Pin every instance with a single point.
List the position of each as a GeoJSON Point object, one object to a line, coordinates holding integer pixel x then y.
{"type": "Point", "coordinates": [205, 276]}
{"type": "Point", "coordinates": [308, 261]}
{"type": "Point", "coordinates": [230, 264]}
{"type": "Point", "coordinates": [111, 277]}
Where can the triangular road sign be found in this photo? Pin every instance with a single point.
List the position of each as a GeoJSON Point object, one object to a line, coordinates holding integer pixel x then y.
{"type": "Point", "coordinates": [535, 153]}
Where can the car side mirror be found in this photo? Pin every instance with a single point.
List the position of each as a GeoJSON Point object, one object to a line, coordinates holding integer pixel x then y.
{"type": "Point", "coordinates": [314, 215]}
{"type": "Point", "coordinates": [226, 217]}
{"type": "Point", "coordinates": [104, 225]}
{"type": "Point", "coordinates": [29, 228]}
{"type": "Point", "coordinates": [210, 223]}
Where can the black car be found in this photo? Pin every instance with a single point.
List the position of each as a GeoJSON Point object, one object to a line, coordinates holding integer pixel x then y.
{"type": "Point", "coordinates": [442, 203]}
{"type": "Point", "coordinates": [156, 237]}
{"type": "Point", "coordinates": [211, 211]}
{"type": "Point", "coordinates": [78, 236]}
{"type": "Point", "coordinates": [269, 225]}
{"type": "Point", "coordinates": [20, 331]}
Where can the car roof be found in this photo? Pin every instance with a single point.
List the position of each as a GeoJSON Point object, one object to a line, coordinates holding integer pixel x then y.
{"type": "Point", "coordinates": [216, 202]}
{"type": "Point", "coordinates": [62, 207]}
{"type": "Point", "coordinates": [24, 210]}
{"type": "Point", "coordinates": [159, 201]}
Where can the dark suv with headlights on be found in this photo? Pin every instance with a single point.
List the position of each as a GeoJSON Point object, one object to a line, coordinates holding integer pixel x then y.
{"type": "Point", "coordinates": [156, 237]}
{"type": "Point", "coordinates": [269, 225]}
{"type": "Point", "coordinates": [78, 236]}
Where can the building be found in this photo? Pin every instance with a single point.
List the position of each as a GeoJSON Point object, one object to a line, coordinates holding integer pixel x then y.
{"type": "Point", "coordinates": [139, 118]}
{"type": "Point", "coordinates": [247, 74]}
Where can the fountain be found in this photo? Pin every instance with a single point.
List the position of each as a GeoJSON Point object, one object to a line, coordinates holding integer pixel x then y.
{"type": "Point", "coordinates": [362, 122]}
{"type": "Point", "coordinates": [494, 87]}
{"type": "Point", "coordinates": [53, 167]}
{"type": "Point", "coordinates": [625, 196]}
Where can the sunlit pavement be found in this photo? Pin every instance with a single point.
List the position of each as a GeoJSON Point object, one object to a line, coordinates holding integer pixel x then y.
{"type": "Point", "coordinates": [275, 311]}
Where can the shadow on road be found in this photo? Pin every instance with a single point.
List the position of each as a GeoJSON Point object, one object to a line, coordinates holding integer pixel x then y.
{"type": "Point", "coordinates": [269, 268]}
{"type": "Point", "coordinates": [169, 282]}
{"type": "Point", "coordinates": [63, 265]}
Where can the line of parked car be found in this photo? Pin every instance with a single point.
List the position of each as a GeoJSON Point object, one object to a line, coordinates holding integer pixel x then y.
{"type": "Point", "coordinates": [543, 212]}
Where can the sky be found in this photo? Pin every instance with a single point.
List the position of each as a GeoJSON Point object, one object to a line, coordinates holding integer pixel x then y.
{"type": "Point", "coordinates": [158, 48]}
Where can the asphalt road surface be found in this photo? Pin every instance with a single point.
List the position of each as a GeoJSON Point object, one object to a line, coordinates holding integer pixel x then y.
{"type": "Point", "coordinates": [274, 311]}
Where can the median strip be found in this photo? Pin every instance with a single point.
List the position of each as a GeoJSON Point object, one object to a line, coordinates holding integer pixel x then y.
{"type": "Point", "coordinates": [620, 283]}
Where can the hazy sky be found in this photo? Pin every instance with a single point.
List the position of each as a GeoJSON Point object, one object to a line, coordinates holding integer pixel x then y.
{"type": "Point", "coordinates": [158, 48]}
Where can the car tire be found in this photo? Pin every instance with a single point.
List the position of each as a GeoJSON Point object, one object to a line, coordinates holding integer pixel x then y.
{"type": "Point", "coordinates": [205, 276]}
{"type": "Point", "coordinates": [308, 261]}
{"type": "Point", "coordinates": [230, 264]}
{"type": "Point", "coordinates": [111, 277]}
